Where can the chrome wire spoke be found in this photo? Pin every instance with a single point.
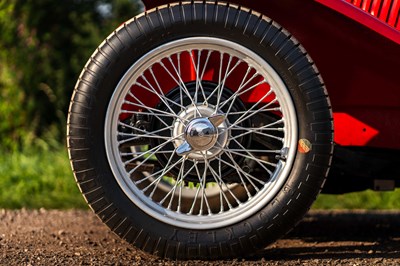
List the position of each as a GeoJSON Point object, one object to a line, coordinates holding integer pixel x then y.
{"type": "Point", "coordinates": [237, 167]}
{"type": "Point", "coordinates": [179, 82]}
{"type": "Point", "coordinates": [242, 85]}
{"type": "Point", "coordinates": [151, 110]}
{"type": "Point", "coordinates": [202, 75]}
{"type": "Point", "coordinates": [158, 179]}
{"type": "Point", "coordinates": [195, 97]}
{"type": "Point", "coordinates": [162, 93]}
{"type": "Point", "coordinates": [153, 133]}
{"type": "Point", "coordinates": [221, 84]}
{"type": "Point", "coordinates": [219, 87]}
{"type": "Point", "coordinates": [264, 127]}
{"type": "Point", "coordinates": [221, 184]}
{"type": "Point", "coordinates": [257, 151]}
{"type": "Point", "coordinates": [246, 115]}
{"type": "Point", "coordinates": [179, 182]}
{"type": "Point", "coordinates": [162, 97]}
{"type": "Point", "coordinates": [143, 153]}
{"type": "Point", "coordinates": [138, 136]}
{"type": "Point", "coordinates": [250, 114]}
{"type": "Point", "coordinates": [199, 76]}
{"type": "Point", "coordinates": [255, 129]}
{"type": "Point", "coordinates": [219, 180]}
{"type": "Point", "coordinates": [152, 114]}
{"type": "Point", "coordinates": [221, 196]}
{"type": "Point", "coordinates": [233, 97]}
{"type": "Point", "coordinates": [142, 105]}
{"type": "Point", "coordinates": [162, 171]}
{"type": "Point", "coordinates": [251, 156]}
{"type": "Point", "coordinates": [197, 191]}
{"type": "Point", "coordinates": [247, 175]}
{"type": "Point", "coordinates": [236, 95]}
{"type": "Point", "coordinates": [220, 80]}
{"type": "Point", "coordinates": [203, 189]}
{"type": "Point", "coordinates": [259, 133]}
{"type": "Point", "coordinates": [240, 92]}
{"type": "Point", "coordinates": [179, 74]}
{"type": "Point", "coordinates": [258, 161]}
{"type": "Point", "coordinates": [264, 109]}
{"type": "Point", "coordinates": [153, 91]}
{"type": "Point", "coordinates": [149, 153]}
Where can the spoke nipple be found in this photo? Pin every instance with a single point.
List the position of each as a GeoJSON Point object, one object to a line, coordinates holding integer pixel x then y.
{"type": "Point", "coordinates": [283, 154]}
{"type": "Point", "coordinates": [246, 169]}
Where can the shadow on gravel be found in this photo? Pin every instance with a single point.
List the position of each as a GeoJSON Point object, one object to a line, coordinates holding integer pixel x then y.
{"type": "Point", "coordinates": [42, 237]}
{"type": "Point", "coordinates": [340, 235]}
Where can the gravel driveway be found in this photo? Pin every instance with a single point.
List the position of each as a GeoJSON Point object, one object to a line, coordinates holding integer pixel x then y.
{"type": "Point", "coordinates": [52, 237]}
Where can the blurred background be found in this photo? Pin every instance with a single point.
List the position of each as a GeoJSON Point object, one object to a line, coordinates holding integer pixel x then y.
{"type": "Point", "coordinates": [43, 47]}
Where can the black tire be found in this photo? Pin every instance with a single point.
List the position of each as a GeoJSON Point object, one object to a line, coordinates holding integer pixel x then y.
{"type": "Point", "coordinates": [141, 35]}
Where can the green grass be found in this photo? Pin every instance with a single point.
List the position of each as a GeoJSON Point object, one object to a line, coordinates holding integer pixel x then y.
{"type": "Point", "coordinates": [42, 177]}
{"type": "Point", "coordinates": [370, 200]}
{"type": "Point", "coordinates": [38, 178]}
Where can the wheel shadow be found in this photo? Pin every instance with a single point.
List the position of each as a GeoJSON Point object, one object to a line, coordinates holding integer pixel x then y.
{"type": "Point", "coordinates": [340, 235]}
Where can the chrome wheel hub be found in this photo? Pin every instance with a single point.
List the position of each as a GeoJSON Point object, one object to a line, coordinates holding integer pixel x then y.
{"type": "Point", "coordinates": [204, 136]}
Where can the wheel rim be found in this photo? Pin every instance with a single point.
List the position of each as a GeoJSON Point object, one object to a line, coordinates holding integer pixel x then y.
{"type": "Point", "coordinates": [201, 133]}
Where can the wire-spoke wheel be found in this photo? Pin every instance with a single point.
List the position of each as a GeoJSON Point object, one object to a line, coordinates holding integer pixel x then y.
{"type": "Point", "coordinates": [201, 153]}
{"type": "Point", "coordinates": [193, 138]}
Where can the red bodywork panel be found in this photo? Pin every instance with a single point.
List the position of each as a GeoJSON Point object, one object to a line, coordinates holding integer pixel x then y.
{"type": "Point", "coordinates": [381, 16]}
{"type": "Point", "coordinates": [355, 45]}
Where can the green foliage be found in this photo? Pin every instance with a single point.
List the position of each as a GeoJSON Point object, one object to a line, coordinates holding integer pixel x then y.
{"type": "Point", "coordinates": [370, 200]}
{"type": "Point", "coordinates": [12, 120]}
{"type": "Point", "coordinates": [40, 177]}
{"type": "Point", "coordinates": [43, 47]}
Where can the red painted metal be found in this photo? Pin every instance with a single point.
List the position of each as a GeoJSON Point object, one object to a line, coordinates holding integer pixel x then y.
{"type": "Point", "coordinates": [394, 20]}
{"type": "Point", "coordinates": [358, 56]}
{"type": "Point", "coordinates": [366, 4]}
{"type": "Point", "coordinates": [371, 13]}
{"type": "Point", "coordinates": [360, 135]}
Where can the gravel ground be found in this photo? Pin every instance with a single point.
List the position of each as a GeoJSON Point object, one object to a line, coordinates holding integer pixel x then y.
{"type": "Point", "coordinates": [43, 237]}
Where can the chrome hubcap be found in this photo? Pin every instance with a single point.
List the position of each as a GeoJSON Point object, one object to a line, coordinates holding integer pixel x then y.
{"type": "Point", "coordinates": [201, 134]}
{"type": "Point", "coordinates": [204, 137]}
